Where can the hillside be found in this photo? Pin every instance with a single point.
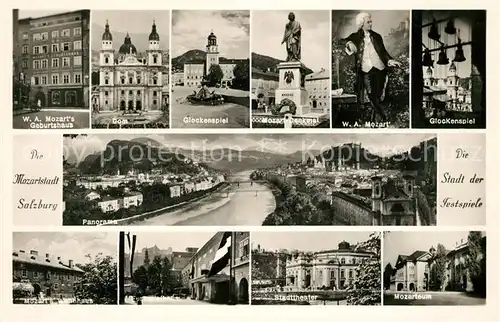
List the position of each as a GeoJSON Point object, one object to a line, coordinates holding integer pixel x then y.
{"type": "Point", "coordinates": [178, 62]}
{"type": "Point", "coordinates": [263, 62]}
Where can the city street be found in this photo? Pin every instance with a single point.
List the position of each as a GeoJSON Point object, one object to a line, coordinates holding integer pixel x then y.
{"type": "Point", "coordinates": [153, 300]}
{"type": "Point", "coordinates": [431, 298]}
{"type": "Point", "coordinates": [67, 118]}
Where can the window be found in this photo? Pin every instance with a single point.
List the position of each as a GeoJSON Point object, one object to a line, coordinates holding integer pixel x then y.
{"type": "Point", "coordinates": [155, 102]}
{"type": "Point", "coordinates": [77, 60]}
{"type": "Point", "coordinates": [123, 92]}
{"type": "Point", "coordinates": [106, 81]}
{"type": "Point", "coordinates": [55, 79]}
{"type": "Point", "coordinates": [45, 63]}
{"type": "Point", "coordinates": [45, 49]}
{"type": "Point", "coordinates": [155, 59]}
{"type": "Point", "coordinates": [55, 48]}
{"type": "Point", "coordinates": [65, 61]}
{"type": "Point", "coordinates": [155, 93]}
{"type": "Point", "coordinates": [55, 62]}
{"type": "Point", "coordinates": [130, 93]}
{"type": "Point", "coordinates": [65, 33]}
{"type": "Point", "coordinates": [350, 273]}
{"type": "Point", "coordinates": [77, 45]}
{"type": "Point", "coordinates": [36, 37]}
{"type": "Point", "coordinates": [106, 59]}
{"type": "Point", "coordinates": [78, 78]}
{"type": "Point", "coordinates": [123, 80]}
{"type": "Point", "coordinates": [36, 64]}
{"type": "Point", "coordinates": [65, 79]}
{"type": "Point", "coordinates": [130, 80]}
{"type": "Point", "coordinates": [138, 80]}
{"type": "Point", "coordinates": [25, 49]}
{"type": "Point", "coordinates": [138, 92]}
{"type": "Point", "coordinates": [106, 93]}
{"type": "Point", "coordinates": [44, 36]}
{"type": "Point", "coordinates": [77, 31]}
{"type": "Point", "coordinates": [342, 261]}
{"type": "Point", "coordinates": [155, 81]}
{"type": "Point", "coordinates": [36, 50]}
{"type": "Point", "coordinates": [65, 46]}
{"type": "Point", "coordinates": [24, 273]}
{"type": "Point", "coordinates": [25, 36]}
{"type": "Point", "coordinates": [44, 80]}
{"type": "Point", "coordinates": [56, 286]}
{"type": "Point", "coordinates": [35, 274]}
{"type": "Point", "coordinates": [55, 34]}
{"type": "Point", "coordinates": [25, 63]}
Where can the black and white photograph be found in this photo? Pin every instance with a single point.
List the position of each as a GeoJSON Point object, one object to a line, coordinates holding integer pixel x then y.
{"type": "Point", "coordinates": [449, 69]}
{"type": "Point", "coordinates": [316, 268]}
{"type": "Point", "coordinates": [64, 268]}
{"type": "Point", "coordinates": [249, 179]}
{"type": "Point", "coordinates": [370, 69]}
{"type": "Point", "coordinates": [210, 69]}
{"type": "Point", "coordinates": [434, 268]}
{"type": "Point", "coordinates": [130, 69]}
{"type": "Point", "coordinates": [290, 69]}
{"type": "Point", "coordinates": [50, 69]}
{"type": "Point", "coordinates": [185, 268]}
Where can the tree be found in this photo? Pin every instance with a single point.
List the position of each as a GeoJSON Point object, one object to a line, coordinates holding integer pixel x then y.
{"type": "Point", "coordinates": [475, 261]}
{"type": "Point", "coordinates": [365, 289]}
{"type": "Point", "coordinates": [215, 75]}
{"type": "Point", "coordinates": [99, 281]}
{"type": "Point", "coordinates": [241, 74]}
{"type": "Point", "coordinates": [438, 268]}
{"type": "Point", "coordinates": [140, 277]}
{"type": "Point", "coordinates": [159, 275]}
{"type": "Point", "coordinates": [388, 271]}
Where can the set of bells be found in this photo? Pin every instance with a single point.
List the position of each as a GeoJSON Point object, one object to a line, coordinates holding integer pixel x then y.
{"type": "Point", "coordinates": [443, 57]}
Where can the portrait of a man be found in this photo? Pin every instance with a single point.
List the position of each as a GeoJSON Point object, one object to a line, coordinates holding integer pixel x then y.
{"type": "Point", "coordinates": [366, 69]}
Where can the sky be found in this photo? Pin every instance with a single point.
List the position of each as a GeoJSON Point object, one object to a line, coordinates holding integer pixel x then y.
{"type": "Point", "coordinates": [178, 241]}
{"type": "Point", "coordinates": [306, 241]}
{"type": "Point", "coordinates": [190, 29]}
{"type": "Point", "coordinates": [381, 144]}
{"type": "Point", "coordinates": [463, 68]}
{"type": "Point", "coordinates": [405, 243]}
{"type": "Point", "coordinates": [67, 245]}
{"type": "Point", "coordinates": [268, 28]}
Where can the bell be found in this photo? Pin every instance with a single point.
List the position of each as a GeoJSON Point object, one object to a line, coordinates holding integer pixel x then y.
{"type": "Point", "coordinates": [434, 33]}
{"type": "Point", "coordinates": [450, 27]}
{"type": "Point", "coordinates": [427, 60]}
{"type": "Point", "coordinates": [443, 59]}
{"type": "Point", "coordinates": [459, 53]}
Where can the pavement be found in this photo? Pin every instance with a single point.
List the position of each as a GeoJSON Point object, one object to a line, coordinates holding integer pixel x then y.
{"type": "Point", "coordinates": [431, 298]}
{"type": "Point", "coordinates": [51, 118]}
{"type": "Point", "coordinates": [153, 300]}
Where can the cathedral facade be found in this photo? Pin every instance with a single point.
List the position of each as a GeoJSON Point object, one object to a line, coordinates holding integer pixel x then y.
{"type": "Point", "coordinates": [128, 81]}
{"type": "Point", "coordinates": [196, 70]}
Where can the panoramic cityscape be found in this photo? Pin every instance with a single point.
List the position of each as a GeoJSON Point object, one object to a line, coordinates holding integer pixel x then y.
{"type": "Point", "coordinates": [316, 268]}
{"type": "Point", "coordinates": [429, 268]}
{"type": "Point", "coordinates": [185, 268]}
{"type": "Point", "coordinates": [288, 179]}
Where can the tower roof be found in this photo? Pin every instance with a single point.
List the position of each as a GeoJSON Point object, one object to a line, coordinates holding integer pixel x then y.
{"type": "Point", "coordinates": [453, 67]}
{"type": "Point", "coordinates": [127, 47]}
{"type": "Point", "coordinates": [107, 34]}
{"type": "Point", "coordinates": [212, 36]}
{"type": "Point", "coordinates": [154, 36]}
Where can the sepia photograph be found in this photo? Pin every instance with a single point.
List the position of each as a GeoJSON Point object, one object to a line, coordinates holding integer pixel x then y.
{"type": "Point", "coordinates": [449, 69]}
{"type": "Point", "coordinates": [210, 69]}
{"type": "Point", "coordinates": [184, 268]}
{"type": "Point", "coordinates": [50, 69]}
{"type": "Point", "coordinates": [370, 69]}
{"type": "Point", "coordinates": [64, 268]}
{"type": "Point", "coordinates": [130, 69]}
{"type": "Point", "coordinates": [434, 268]}
{"type": "Point", "coordinates": [277, 179]}
{"type": "Point", "coordinates": [290, 73]}
{"type": "Point", "coordinates": [316, 268]}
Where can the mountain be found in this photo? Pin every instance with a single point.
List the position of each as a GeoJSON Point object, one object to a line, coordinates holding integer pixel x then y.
{"type": "Point", "coordinates": [178, 62]}
{"type": "Point", "coordinates": [263, 62]}
{"type": "Point", "coordinates": [139, 257]}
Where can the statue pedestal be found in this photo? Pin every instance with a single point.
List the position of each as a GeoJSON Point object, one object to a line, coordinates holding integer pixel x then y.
{"type": "Point", "coordinates": [292, 86]}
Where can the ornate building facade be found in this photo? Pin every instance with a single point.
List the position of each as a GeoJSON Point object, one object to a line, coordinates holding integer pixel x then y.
{"type": "Point", "coordinates": [329, 269]}
{"type": "Point", "coordinates": [129, 81]}
{"type": "Point", "coordinates": [195, 70]}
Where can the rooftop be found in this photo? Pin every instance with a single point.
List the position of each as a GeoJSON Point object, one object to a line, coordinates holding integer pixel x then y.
{"type": "Point", "coordinates": [47, 261]}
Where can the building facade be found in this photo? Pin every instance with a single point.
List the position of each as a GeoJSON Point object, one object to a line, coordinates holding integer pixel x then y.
{"type": "Point", "coordinates": [129, 81]}
{"type": "Point", "coordinates": [47, 274]}
{"type": "Point", "coordinates": [53, 58]}
{"type": "Point", "coordinates": [264, 85]}
{"type": "Point", "coordinates": [318, 89]}
{"type": "Point", "coordinates": [216, 288]}
{"type": "Point", "coordinates": [197, 69]}
{"type": "Point", "coordinates": [331, 269]}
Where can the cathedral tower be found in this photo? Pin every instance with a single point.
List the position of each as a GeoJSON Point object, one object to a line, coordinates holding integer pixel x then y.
{"type": "Point", "coordinates": [212, 52]}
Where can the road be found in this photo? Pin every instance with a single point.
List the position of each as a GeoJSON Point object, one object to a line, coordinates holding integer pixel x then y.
{"type": "Point", "coordinates": [153, 300]}
{"type": "Point", "coordinates": [38, 120]}
{"type": "Point", "coordinates": [431, 298]}
{"type": "Point", "coordinates": [246, 205]}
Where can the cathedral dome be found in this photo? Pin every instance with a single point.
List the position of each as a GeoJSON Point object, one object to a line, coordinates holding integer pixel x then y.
{"type": "Point", "coordinates": [127, 47]}
{"type": "Point", "coordinates": [344, 245]}
{"type": "Point", "coordinates": [154, 36]}
{"type": "Point", "coordinates": [107, 35]}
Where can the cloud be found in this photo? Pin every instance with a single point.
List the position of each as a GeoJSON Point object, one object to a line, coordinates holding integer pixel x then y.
{"type": "Point", "coordinates": [190, 30]}
{"type": "Point", "coordinates": [268, 28]}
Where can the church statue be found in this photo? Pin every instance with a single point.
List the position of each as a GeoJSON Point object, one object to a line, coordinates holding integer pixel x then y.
{"type": "Point", "coordinates": [292, 37]}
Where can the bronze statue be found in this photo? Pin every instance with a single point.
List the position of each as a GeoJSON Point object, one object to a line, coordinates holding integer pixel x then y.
{"type": "Point", "coordinates": [292, 37]}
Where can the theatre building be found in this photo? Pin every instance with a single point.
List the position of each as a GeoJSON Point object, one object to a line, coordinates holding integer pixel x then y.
{"type": "Point", "coordinates": [46, 273]}
{"type": "Point", "coordinates": [54, 58]}
{"type": "Point", "coordinates": [231, 283]}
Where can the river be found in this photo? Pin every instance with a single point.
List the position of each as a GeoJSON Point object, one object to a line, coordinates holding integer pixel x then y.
{"type": "Point", "coordinates": [246, 205]}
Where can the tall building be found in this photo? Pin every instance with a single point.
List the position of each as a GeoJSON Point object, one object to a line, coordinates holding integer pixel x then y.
{"type": "Point", "coordinates": [46, 273]}
{"type": "Point", "coordinates": [196, 70]}
{"type": "Point", "coordinates": [54, 58]}
{"type": "Point", "coordinates": [318, 88]}
{"type": "Point", "coordinates": [129, 81]}
{"type": "Point", "coordinates": [330, 269]}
